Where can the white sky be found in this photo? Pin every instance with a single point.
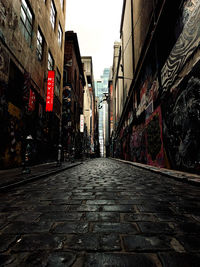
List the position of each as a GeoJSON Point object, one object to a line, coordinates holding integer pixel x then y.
{"type": "Point", "coordinates": [97, 24]}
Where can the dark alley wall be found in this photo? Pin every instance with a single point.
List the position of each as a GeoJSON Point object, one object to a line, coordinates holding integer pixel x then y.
{"type": "Point", "coordinates": [164, 129]}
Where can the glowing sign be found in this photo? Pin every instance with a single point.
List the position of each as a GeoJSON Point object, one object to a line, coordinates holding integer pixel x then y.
{"type": "Point", "coordinates": [32, 99]}
{"type": "Point", "coordinates": [81, 123]}
{"type": "Point", "coordinates": [50, 90]}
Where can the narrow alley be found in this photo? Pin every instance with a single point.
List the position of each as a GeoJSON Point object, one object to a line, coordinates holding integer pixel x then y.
{"type": "Point", "coordinates": [101, 213]}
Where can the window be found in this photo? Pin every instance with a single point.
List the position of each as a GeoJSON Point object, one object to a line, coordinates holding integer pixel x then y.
{"type": "Point", "coordinates": [53, 14]}
{"type": "Point", "coordinates": [26, 19]}
{"type": "Point", "coordinates": [60, 34]}
{"type": "Point", "coordinates": [58, 80]}
{"type": "Point", "coordinates": [50, 61]}
{"type": "Point", "coordinates": [61, 3]}
{"type": "Point", "coordinates": [40, 45]}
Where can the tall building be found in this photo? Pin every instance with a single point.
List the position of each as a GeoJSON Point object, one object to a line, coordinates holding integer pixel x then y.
{"type": "Point", "coordinates": [156, 84]}
{"type": "Point", "coordinates": [74, 83]}
{"type": "Point", "coordinates": [90, 104]}
{"type": "Point", "coordinates": [102, 91]}
{"type": "Point", "coordinates": [31, 44]}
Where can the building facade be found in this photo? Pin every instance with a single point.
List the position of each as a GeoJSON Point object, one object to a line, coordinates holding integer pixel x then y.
{"type": "Point", "coordinates": [159, 61]}
{"type": "Point", "coordinates": [74, 83]}
{"type": "Point", "coordinates": [31, 44]}
{"type": "Point", "coordinates": [102, 92]}
{"type": "Point", "coordinates": [90, 105]}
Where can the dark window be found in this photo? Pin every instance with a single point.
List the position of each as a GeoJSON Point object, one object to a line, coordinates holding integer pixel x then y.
{"type": "Point", "coordinates": [40, 45]}
{"type": "Point", "coordinates": [60, 34]}
{"type": "Point", "coordinates": [50, 61]}
{"type": "Point", "coordinates": [58, 80]}
{"type": "Point", "coordinates": [26, 19]}
{"type": "Point", "coordinates": [53, 14]}
{"type": "Point", "coordinates": [18, 86]}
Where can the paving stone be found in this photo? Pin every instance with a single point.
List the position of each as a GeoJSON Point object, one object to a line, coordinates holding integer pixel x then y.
{"type": "Point", "coordinates": [119, 208]}
{"type": "Point", "coordinates": [48, 208]}
{"type": "Point", "coordinates": [171, 218]}
{"type": "Point", "coordinates": [191, 243]}
{"type": "Point", "coordinates": [58, 202]}
{"type": "Point", "coordinates": [83, 208]}
{"type": "Point", "coordinates": [6, 240]}
{"type": "Point", "coordinates": [70, 228]}
{"type": "Point", "coordinates": [106, 195]}
{"type": "Point", "coordinates": [179, 259]}
{"type": "Point", "coordinates": [6, 260]}
{"type": "Point", "coordinates": [155, 227]}
{"type": "Point", "coordinates": [100, 202]}
{"type": "Point", "coordinates": [25, 259]}
{"type": "Point", "coordinates": [141, 217]}
{"type": "Point", "coordinates": [84, 242]}
{"type": "Point", "coordinates": [61, 259]}
{"type": "Point", "coordinates": [102, 216]}
{"type": "Point", "coordinates": [154, 209]}
{"type": "Point", "coordinates": [38, 242]}
{"type": "Point", "coordinates": [27, 227]}
{"type": "Point", "coordinates": [60, 216]}
{"type": "Point", "coordinates": [119, 260]}
{"type": "Point", "coordinates": [188, 227]}
{"type": "Point", "coordinates": [82, 197]}
{"type": "Point", "coordinates": [115, 228]}
{"type": "Point", "coordinates": [3, 224]}
{"type": "Point", "coordinates": [146, 243]}
{"type": "Point", "coordinates": [110, 242]}
{"type": "Point", "coordinates": [27, 216]}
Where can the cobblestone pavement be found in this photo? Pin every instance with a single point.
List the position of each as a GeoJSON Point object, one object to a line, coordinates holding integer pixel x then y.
{"type": "Point", "coordinates": [101, 213]}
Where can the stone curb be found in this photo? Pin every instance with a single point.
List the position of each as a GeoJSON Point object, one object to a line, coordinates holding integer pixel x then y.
{"type": "Point", "coordinates": [185, 177]}
{"type": "Point", "coordinates": [36, 177]}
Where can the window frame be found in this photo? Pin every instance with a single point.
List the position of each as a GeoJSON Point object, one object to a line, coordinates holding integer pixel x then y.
{"type": "Point", "coordinates": [40, 44]}
{"type": "Point", "coordinates": [50, 61]}
{"type": "Point", "coordinates": [58, 82]}
{"type": "Point", "coordinates": [53, 14]}
{"type": "Point", "coordinates": [60, 35]}
{"type": "Point", "coordinates": [26, 19]}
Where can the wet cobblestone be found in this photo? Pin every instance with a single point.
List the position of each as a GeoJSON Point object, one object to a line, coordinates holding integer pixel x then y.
{"type": "Point", "coordinates": [101, 213]}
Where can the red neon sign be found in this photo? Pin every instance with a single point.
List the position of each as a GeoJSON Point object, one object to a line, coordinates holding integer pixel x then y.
{"type": "Point", "coordinates": [32, 98]}
{"type": "Point", "coordinates": [50, 90]}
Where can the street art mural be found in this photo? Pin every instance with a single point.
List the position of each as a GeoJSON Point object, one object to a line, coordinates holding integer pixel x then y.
{"type": "Point", "coordinates": [154, 143]}
{"type": "Point", "coordinates": [182, 126]}
{"type": "Point", "coordinates": [185, 46]}
{"type": "Point", "coordinates": [138, 144]}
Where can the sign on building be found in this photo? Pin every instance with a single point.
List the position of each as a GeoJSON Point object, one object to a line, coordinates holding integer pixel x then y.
{"type": "Point", "coordinates": [32, 99]}
{"type": "Point", "coordinates": [81, 123]}
{"type": "Point", "coordinates": [50, 90]}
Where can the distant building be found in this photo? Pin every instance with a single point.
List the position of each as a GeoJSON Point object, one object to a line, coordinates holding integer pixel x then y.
{"type": "Point", "coordinates": [90, 105]}
{"type": "Point", "coordinates": [102, 90]}
{"type": "Point", "coordinates": [73, 84]}
{"type": "Point", "coordinates": [31, 43]}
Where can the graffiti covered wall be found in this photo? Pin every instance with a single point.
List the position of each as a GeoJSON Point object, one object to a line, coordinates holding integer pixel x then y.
{"type": "Point", "coordinates": [154, 143]}
{"type": "Point", "coordinates": [166, 128]}
{"type": "Point", "coordinates": [182, 125]}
